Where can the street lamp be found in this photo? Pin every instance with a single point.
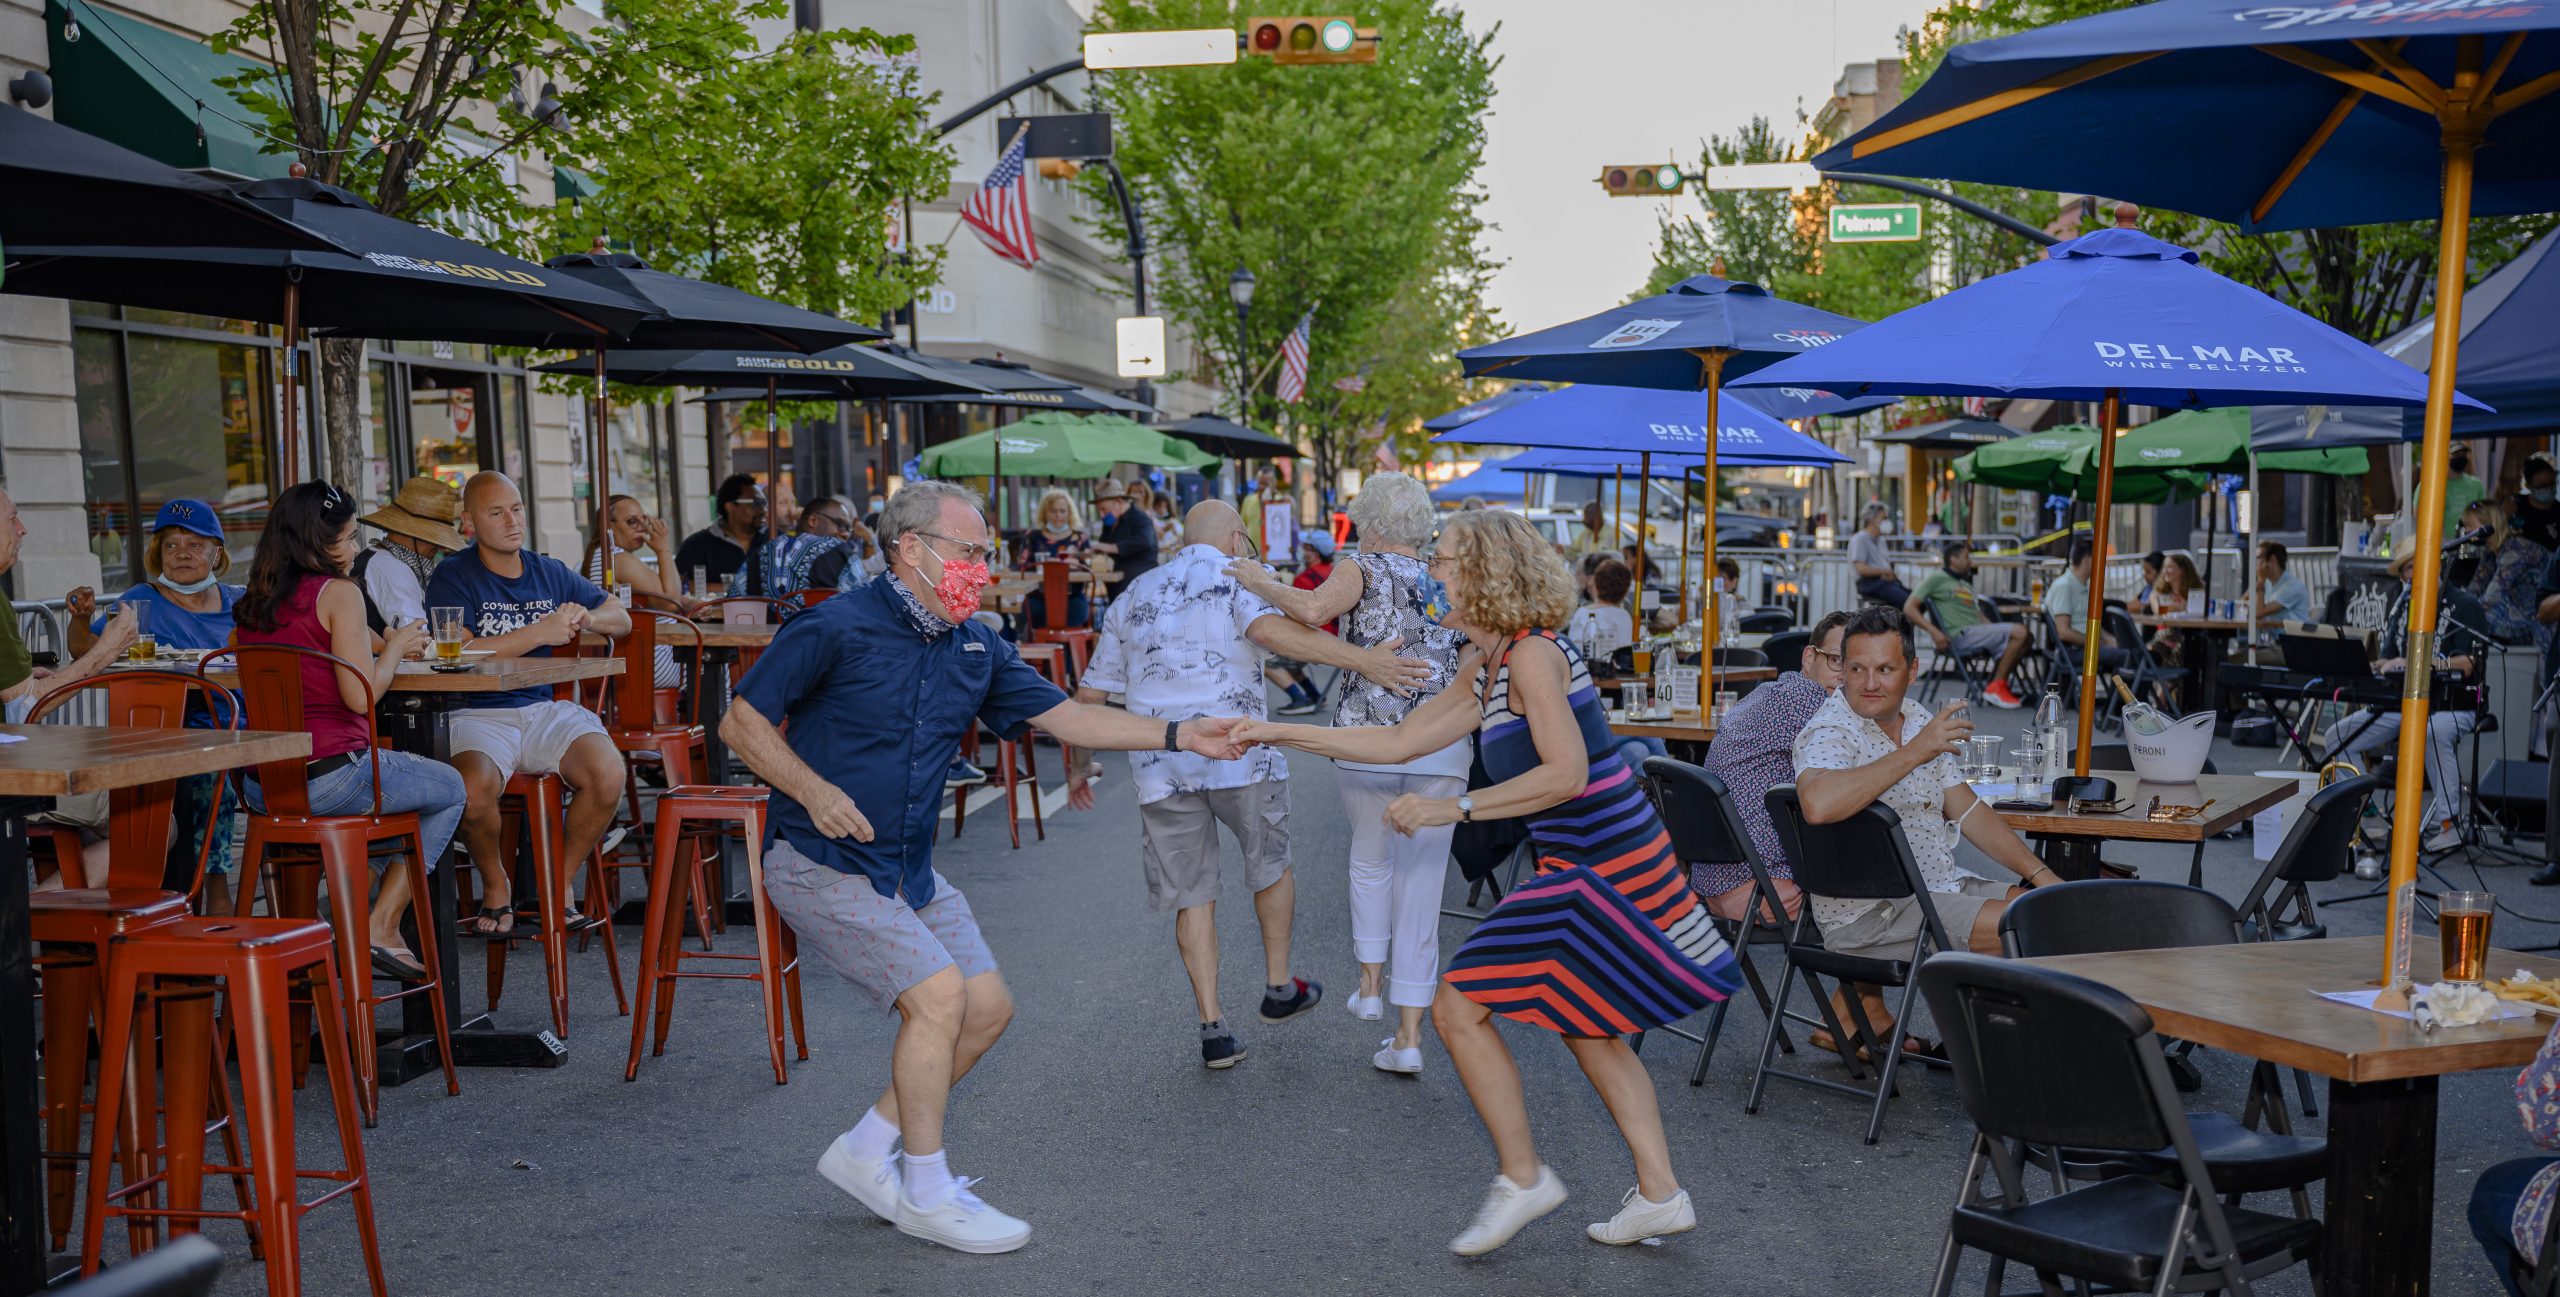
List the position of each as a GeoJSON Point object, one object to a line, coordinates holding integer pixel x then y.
{"type": "Point", "coordinates": [1240, 292]}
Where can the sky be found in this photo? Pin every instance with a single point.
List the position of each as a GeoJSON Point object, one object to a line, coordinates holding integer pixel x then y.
{"type": "Point", "coordinates": [1584, 83]}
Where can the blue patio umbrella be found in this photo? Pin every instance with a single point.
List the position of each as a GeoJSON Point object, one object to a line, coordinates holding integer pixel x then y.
{"type": "Point", "coordinates": [1477, 409]}
{"type": "Point", "coordinates": [2113, 317]}
{"type": "Point", "coordinates": [1690, 339]}
{"type": "Point", "coordinates": [2275, 117]}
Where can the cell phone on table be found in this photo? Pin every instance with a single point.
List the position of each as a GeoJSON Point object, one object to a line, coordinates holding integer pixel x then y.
{"type": "Point", "coordinates": [2021, 804]}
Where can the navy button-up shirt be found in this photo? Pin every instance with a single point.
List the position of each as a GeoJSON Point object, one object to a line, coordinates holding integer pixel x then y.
{"type": "Point", "coordinates": [878, 710]}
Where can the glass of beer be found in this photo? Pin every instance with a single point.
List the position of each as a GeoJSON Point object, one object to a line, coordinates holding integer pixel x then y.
{"type": "Point", "coordinates": [146, 645]}
{"type": "Point", "coordinates": [446, 626]}
{"type": "Point", "coordinates": [2462, 934]}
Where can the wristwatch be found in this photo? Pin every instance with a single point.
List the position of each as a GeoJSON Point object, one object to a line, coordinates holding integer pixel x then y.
{"type": "Point", "coordinates": [1173, 736]}
{"type": "Point", "coordinates": [1467, 809]}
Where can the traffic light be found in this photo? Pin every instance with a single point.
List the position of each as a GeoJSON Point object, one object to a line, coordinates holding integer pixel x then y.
{"type": "Point", "coordinates": [1648, 180]}
{"type": "Point", "coordinates": [1316, 38]}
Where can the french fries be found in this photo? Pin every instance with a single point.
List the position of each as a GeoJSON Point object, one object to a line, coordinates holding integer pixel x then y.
{"type": "Point", "coordinates": [2529, 989]}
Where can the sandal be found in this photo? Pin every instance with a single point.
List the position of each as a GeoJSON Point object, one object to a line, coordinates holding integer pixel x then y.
{"type": "Point", "coordinates": [494, 924]}
{"type": "Point", "coordinates": [1913, 1047]}
{"type": "Point", "coordinates": [398, 965]}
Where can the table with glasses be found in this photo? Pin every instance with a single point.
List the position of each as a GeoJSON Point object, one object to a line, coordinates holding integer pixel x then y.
{"type": "Point", "coordinates": [2256, 1000]}
{"type": "Point", "coordinates": [2201, 651]}
{"type": "Point", "coordinates": [38, 763]}
{"type": "Point", "coordinates": [2227, 800]}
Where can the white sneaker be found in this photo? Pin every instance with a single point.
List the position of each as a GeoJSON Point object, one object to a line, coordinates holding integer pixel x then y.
{"type": "Point", "coordinates": [1367, 1008]}
{"type": "Point", "coordinates": [873, 1182]}
{"type": "Point", "coordinates": [1507, 1209]}
{"type": "Point", "coordinates": [1639, 1219]}
{"type": "Point", "coordinates": [963, 1223]}
{"type": "Point", "coordinates": [2443, 839]}
{"type": "Point", "coordinates": [1391, 1059]}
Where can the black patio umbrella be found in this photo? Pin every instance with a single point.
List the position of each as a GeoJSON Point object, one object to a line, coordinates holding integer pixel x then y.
{"type": "Point", "coordinates": [402, 282]}
{"type": "Point", "coordinates": [1075, 400]}
{"type": "Point", "coordinates": [993, 375]}
{"type": "Point", "coordinates": [68, 187]}
{"type": "Point", "coordinates": [1228, 439]}
{"type": "Point", "coordinates": [1947, 434]}
{"type": "Point", "coordinates": [690, 313]}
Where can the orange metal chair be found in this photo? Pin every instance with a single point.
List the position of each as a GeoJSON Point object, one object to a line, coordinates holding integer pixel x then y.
{"type": "Point", "coordinates": [1017, 760]}
{"type": "Point", "coordinates": [340, 847]}
{"type": "Point", "coordinates": [1055, 590]}
{"type": "Point", "coordinates": [536, 806]}
{"type": "Point", "coordinates": [703, 811]}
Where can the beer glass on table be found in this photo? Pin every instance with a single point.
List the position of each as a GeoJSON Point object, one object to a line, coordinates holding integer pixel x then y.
{"type": "Point", "coordinates": [450, 634]}
{"type": "Point", "coordinates": [2462, 934]}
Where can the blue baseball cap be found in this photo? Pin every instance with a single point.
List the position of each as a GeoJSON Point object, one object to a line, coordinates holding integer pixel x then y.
{"type": "Point", "coordinates": [1319, 540]}
{"type": "Point", "coordinates": [191, 515]}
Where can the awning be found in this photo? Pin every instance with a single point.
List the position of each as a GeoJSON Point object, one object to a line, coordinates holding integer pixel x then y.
{"type": "Point", "coordinates": [139, 85]}
{"type": "Point", "coordinates": [568, 183]}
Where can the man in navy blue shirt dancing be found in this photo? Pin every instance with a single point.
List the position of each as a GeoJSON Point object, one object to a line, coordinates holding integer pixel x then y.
{"type": "Point", "coordinates": [876, 687]}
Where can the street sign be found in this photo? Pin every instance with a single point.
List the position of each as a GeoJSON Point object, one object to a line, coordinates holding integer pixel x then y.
{"type": "Point", "coordinates": [1875, 222]}
{"type": "Point", "coordinates": [1159, 49]}
{"type": "Point", "coordinates": [1142, 346]}
{"type": "Point", "coordinates": [1082, 137]}
{"type": "Point", "coordinates": [1764, 175]}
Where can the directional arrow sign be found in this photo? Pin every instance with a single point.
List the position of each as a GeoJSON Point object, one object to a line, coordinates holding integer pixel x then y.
{"type": "Point", "coordinates": [1142, 346]}
{"type": "Point", "coordinates": [1875, 222]}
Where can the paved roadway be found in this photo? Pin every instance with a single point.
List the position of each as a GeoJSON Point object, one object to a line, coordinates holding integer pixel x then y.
{"type": "Point", "coordinates": [1301, 1171]}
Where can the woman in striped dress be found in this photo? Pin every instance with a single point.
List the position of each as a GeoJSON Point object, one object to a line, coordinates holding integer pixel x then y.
{"type": "Point", "coordinates": [1607, 939]}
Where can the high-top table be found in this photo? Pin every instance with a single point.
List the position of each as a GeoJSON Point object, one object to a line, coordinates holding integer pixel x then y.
{"type": "Point", "coordinates": [2227, 799]}
{"type": "Point", "coordinates": [2378, 1221]}
{"type": "Point", "coordinates": [39, 763]}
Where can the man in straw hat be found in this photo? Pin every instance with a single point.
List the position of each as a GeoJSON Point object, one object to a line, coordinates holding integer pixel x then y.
{"type": "Point", "coordinates": [417, 533]}
{"type": "Point", "coordinates": [1128, 535]}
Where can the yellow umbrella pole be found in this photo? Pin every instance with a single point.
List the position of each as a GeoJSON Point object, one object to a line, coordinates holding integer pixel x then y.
{"type": "Point", "coordinates": [1711, 628]}
{"type": "Point", "coordinates": [1682, 580]}
{"type": "Point", "coordinates": [2110, 412]}
{"type": "Point", "coordinates": [2461, 137]}
{"type": "Point", "coordinates": [1644, 507]}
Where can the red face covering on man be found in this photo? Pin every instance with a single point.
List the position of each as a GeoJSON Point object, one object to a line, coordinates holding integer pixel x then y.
{"type": "Point", "coordinates": [960, 587]}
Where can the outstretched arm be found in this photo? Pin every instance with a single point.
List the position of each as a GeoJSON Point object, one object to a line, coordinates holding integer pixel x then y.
{"type": "Point", "coordinates": [1339, 592]}
{"type": "Point", "coordinates": [1445, 718]}
{"type": "Point", "coordinates": [1538, 691]}
{"type": "Point", "coordinates": [1109, 729]}
{"type": "Point", "coordinates": [1284, 636]}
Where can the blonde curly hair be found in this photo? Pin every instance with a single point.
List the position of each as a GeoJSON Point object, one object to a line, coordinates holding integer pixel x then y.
{"type": "Point", "coordinates": [1508, 578]}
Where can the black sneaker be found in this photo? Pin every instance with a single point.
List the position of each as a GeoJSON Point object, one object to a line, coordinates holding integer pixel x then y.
{"type": "Point", "coordinates": [963, 775]}
{"type": "Point", "coordinates": [1296, 707]}
{"type": "Point", "coordinates": [1309, 995]}
{"type": "Point", "coordinates": [1218, 1053]}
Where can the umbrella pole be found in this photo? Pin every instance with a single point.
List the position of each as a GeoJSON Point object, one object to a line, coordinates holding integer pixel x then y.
{"type": "Point", "coordinates": [291, 439]}
{"type": "Point", "coordinates": [2091, 631]}
{"type": "Point", "coordinates": [1712, 627]}
{"type": "Point", "coordinates": [772, 461]}
{"type": "Point", "coordinates": [2248, 564]}
{"type": "Point", "coordinates": [1644, 509]}
{"type": "Point", "coordinates": [1683, 579]}
{"type": "Point", "coordinates": [597, 477]}
{"type": "Point", "coordinates": [2426, 575]}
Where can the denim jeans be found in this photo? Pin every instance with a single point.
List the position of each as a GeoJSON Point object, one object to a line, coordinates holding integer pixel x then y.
{"type": "Point", "coordinates": [2493, 1213]}
{"type": "Point", "coordinates": [409, 783]}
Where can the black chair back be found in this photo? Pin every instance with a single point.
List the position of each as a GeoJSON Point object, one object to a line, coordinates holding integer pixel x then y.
{"type": "Point", "coordinates": [2098, 915]}
{"type": "Point", "coordinates": [2047, 1058]}
{"type": "Point", "coordinates": [2317, 848]}
{"type": "Point", "coordinates": [1765, 623]}
{"type": "Point", "coordinates": [183, 1267]}
{"type": "Point", "coordinates": [1862, 858]}
{"type": "Point", "coordinates": [1785, 650]}
{"type": "Point", "coordinates": [1742, 657]}
{"type": "Point", "coordinates": [2126, 635]}
{"type": "Point", "coordinates": [1699, 813]}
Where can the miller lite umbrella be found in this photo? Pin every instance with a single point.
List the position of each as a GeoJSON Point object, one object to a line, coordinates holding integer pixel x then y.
{"type": "Point", "coordinates": [2272, 117]}
{"type": "Point", "coordinates": [1693, 338]}
{"type": "Point", "coordinates": [398, 281]}
{"type": "Point", "coordinates": [2116, 317]}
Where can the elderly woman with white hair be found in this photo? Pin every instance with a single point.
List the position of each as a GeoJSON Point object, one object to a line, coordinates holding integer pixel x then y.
{"type": "Point", "coordinates": [1385, 596]}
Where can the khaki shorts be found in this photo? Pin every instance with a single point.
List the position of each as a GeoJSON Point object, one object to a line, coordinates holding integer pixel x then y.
{"type": "Point", "coordinates": [1886, 932]}
{"type": "Point", "coordinates": [527, 740]}
{"type": "Point", "coordinates": [879, 943]}
{"type": "Point", "coordinates": [1181, 834]}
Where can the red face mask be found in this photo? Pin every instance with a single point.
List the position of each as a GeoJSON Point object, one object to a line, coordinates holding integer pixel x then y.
{"type": "Point", "coordinates": [960, 586]}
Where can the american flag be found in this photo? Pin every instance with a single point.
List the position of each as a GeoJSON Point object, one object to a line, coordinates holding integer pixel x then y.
{"type": "Point", "coordinates": [1293, 361]}
{"type": "Point", "coordinates": [1976, 407]}
{"type": "Point", "coordinates": [1000, 212]}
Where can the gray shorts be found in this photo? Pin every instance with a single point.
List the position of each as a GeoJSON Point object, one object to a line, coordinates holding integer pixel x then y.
{"type": "Point", "coordinates": [1980, 638]}
{"type": "Point", "coordinates": [1181, 834]}
{"type": "Point", "coordinates": [878, 943]}
{"type": "Point", "coordinates": [1886, 932]}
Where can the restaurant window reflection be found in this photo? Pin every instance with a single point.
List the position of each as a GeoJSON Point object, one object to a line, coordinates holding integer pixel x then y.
{"type": "Point", "coordinates": [170, 407]}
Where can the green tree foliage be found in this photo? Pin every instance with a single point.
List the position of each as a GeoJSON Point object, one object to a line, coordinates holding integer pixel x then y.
{"type": "Point", "coordinates": [1347, 189]}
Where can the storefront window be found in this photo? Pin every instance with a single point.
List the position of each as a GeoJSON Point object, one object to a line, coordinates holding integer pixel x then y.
{"type": "Point", "coordinates": [201, 425]}
{"type": "Point", "coordinates": [99, 364]}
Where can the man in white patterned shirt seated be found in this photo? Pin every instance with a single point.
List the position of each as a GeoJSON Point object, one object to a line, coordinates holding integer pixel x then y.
{"type": "Point", "coordinates": [1871, 743]}
{"type": "Point", "coordinates": [1185, 639]}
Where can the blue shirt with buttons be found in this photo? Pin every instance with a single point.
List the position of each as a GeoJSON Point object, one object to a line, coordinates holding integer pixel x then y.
{"type": "Point", "coordinates": [876, 708]}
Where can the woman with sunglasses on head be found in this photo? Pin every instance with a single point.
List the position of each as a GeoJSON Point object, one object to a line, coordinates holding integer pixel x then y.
{"type": "Point", "coordinates": [299, 595]}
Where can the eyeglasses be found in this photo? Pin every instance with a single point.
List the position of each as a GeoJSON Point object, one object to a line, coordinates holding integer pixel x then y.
{"type": "Point", "coordinates": [970, 551]}
{"type": "Point", "coordinates": [1835, 659]}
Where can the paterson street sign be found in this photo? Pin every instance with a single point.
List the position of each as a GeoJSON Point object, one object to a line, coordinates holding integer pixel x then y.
{"type": "Point", "coordinates": [1875, 222]}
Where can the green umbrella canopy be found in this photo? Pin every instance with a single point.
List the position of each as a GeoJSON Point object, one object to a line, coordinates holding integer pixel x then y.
{"type": "Point", "coordinates": [1058, 444]}
{"type": "Point", "coordinates": [2033, 462]}
{"type": "Point", "coordinates": [2215, 441]}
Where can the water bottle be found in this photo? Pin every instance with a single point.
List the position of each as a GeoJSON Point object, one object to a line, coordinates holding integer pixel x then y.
{"type": "Point", "coordinates": [1666, 656]}
{"type": "Point", "coordinates": [2050, 732]}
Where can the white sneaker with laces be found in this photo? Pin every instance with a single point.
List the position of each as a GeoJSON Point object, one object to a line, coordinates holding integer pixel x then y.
{"type": "Point", "coordinates": [873, 1182]}
{"type": "Point", "coordinates": [2443, 839]}
{"type": "Point", "coordinates": [1391, 1059]}
{"type": "Point", "coordinates": [1507, 1209]}
{"type": "Point", "coordinates": [963, 1223]}
{"type": "Point", "coordinates": [1640, 1218]}
{"type": "Point", "coordinates": [1367, 1008]}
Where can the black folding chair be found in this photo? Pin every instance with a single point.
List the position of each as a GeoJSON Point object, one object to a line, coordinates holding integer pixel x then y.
{"type": "Point", "coordinates": [2146, 672]}
{"type": "Point", "coordinates": [1785, 650]}
{"type": "Point", "coordinates": [2047, 1060]}
{"type": "Point", "coordinates": [2319, 847]}
{"type": "Point", "coordinates": [1864, 857]}
{"type": "Point", "coordinates": [2102, 915]}
{"type": "Point", "coordinates": [1765, 623]}
{"type": "Point", "coordinates": [1706, 829]}
{"type": "Point", "coordinates": [2539, 1275]}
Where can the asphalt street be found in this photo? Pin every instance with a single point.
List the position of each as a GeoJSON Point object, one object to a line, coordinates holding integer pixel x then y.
{"type": "Point", "coordinates": [1304, 1170]}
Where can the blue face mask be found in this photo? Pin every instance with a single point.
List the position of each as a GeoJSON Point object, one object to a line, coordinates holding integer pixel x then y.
{"type": "Point", "coordinates": [2544, 495]}
{"type": "Point", "coordinates": [190, 587]}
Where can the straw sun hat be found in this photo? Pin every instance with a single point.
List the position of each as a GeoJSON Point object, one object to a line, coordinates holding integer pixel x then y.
{"type": "Point", "coordinates": [425, 509]}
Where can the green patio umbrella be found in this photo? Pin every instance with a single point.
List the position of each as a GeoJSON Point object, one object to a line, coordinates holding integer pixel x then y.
{"type": "Point", "coordinates": [2053, 461]}
{"type": "Point", "coordinates": [1057, 444]}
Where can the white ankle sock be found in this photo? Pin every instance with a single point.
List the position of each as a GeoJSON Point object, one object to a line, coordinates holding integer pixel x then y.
{"type": "Point", "coordinates": [872, 1137]}
{"type": "Point", "coordinates": [928, 1180]}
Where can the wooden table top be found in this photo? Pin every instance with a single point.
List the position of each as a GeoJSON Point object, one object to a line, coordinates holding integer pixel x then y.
{"type": "Point", "coordinates": [2232, 798]}
{"type": "Point", "coordinates": [2181, 621]}
{"type": "Point", "coordinates": [1688, 728]}
{"type": "Point", "coordinates": [2257, 1000]}
{"type": "Point", "coordinates": [59, 760]}
{"type": "Point", "coordinates": [483, 676]}
{"type": "Point", "coordinates": [1723, 676]}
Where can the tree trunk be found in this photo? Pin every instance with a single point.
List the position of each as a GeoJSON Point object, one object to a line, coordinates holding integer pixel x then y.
{"type": "Point", "coordinates": [340, 393]}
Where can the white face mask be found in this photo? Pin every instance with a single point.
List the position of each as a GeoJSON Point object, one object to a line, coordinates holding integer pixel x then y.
{"type": "Point", "coordinates": [190, 587]}
{"type": "Point", "coordinates": [2544, 495]}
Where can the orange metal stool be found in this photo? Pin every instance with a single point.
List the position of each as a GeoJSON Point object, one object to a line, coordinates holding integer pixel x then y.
{"type": "Point", "coordinates": [256, 960]}
{"type": "Point", "coordinates": [538, 805]}
{"type": "Point", "coordinates": [777, 956]}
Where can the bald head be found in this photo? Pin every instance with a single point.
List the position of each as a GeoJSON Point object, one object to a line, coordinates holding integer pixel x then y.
{"type": "Point", "coordinates": [1215, 523]}
{"type": "Point", "coordinates": [493, 512]}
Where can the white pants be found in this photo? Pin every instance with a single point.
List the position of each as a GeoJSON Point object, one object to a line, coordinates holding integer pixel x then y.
{"type": "Point", "coordinates": [2444, 772]}
{"type": "Point", "coordinates": [1396, 881]}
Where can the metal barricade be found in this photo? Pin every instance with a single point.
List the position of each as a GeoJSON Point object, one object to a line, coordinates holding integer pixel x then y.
{"type": "Point", "coordinates": [41, 624]}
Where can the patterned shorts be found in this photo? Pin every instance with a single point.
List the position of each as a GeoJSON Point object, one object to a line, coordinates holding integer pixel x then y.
{"type": "Point", "coordinates": [878, 943]}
